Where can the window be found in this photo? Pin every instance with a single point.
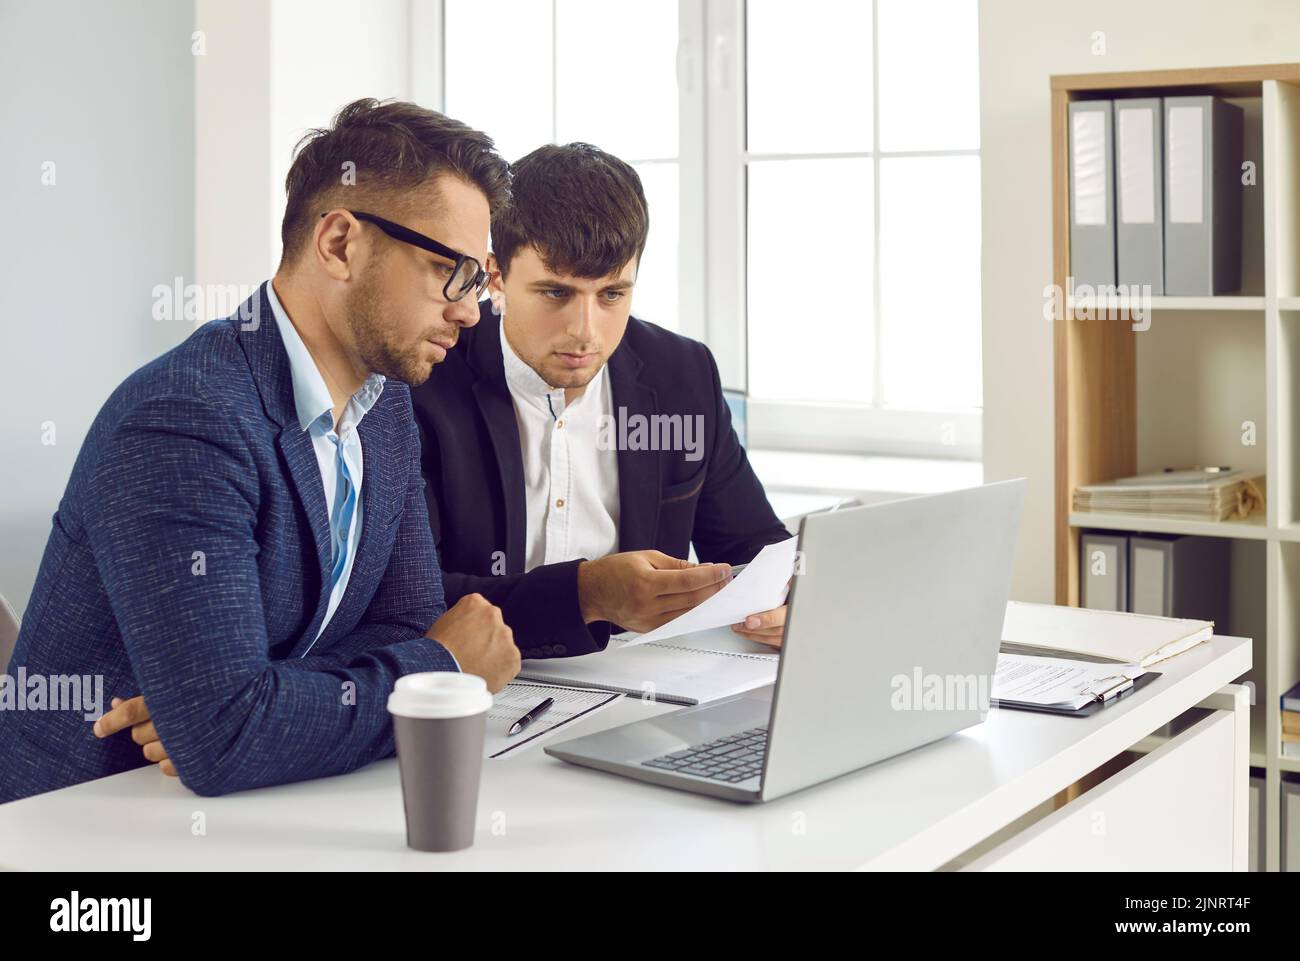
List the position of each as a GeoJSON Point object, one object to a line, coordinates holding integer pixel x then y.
{"type": "Point", "coordinates": [599, 71]}
{"type": "Point", "coordinates": [822, 159]}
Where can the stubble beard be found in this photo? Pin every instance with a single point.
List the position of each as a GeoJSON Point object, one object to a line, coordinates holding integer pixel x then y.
{"type": "Point", "coordinates": [366, 311]}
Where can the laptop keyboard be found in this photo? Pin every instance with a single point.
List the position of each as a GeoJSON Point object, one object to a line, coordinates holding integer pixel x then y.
{"type": "Point", "coordinates": [736, 757]}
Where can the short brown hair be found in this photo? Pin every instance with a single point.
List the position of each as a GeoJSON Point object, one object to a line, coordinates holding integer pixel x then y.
{"type": "Point", "coordinates": [583, 210]}
{"type": "Point", "coordinates": [395, 146]}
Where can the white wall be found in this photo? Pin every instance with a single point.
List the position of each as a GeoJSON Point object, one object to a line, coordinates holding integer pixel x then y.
{"type": "Point", "coordinates": [1022, 43]}
{"type": "Point", "coordinates": [104, 91]}
{"type": "Point", "coordinates": [232, 130]}
{"type": "Point", "coordinates": [325, 54]}
{"type": "Point", "coordinates": [273, 71]}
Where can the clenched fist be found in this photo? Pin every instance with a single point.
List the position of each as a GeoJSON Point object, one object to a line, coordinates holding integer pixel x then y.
{"type": "Point", "coordinates": [479, 639]}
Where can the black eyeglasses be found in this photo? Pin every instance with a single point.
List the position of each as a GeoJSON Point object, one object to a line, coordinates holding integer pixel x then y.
{"type": "Point", "coordinates": [467, 274]}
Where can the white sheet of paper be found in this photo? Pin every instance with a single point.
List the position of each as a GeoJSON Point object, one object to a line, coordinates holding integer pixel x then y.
{"type": "Point", "coordinates": [761, 586]}
{"type": "Point", "coordinates": [519, 697]}
{"type": "Point", "coordinates": [1056, 680]}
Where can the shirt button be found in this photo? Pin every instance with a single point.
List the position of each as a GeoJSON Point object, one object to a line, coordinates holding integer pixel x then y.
{"type": "Point", "coordinates": [559, 502]}
{"type": "Point", "coordinates": [559, 424]}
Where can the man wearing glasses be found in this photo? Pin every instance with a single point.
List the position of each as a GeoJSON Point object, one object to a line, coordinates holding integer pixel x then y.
{"type": "Point", "coordinates": [242, 552]}
{"type": "Point", "coordinates": [574, 454]}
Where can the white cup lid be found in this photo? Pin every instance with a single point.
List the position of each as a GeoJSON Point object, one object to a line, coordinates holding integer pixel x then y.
{"type": "Point", "coordinates": [439, 694]}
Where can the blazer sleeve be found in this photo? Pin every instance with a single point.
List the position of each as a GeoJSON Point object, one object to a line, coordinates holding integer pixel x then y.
{"type": "Point", "coordinates": [541, 606]}
{"type": "Point", "coordinates": [175, 478]}
{"type": "Point", "coordinates": [733, 520]}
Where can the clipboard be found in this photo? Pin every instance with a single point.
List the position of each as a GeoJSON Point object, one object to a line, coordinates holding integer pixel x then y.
{"type": "Point", "coordinates": [1088, 710]}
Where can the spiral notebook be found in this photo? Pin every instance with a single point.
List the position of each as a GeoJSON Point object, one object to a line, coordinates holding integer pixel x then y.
{"type": "Point", "coordinates": [691, 669]}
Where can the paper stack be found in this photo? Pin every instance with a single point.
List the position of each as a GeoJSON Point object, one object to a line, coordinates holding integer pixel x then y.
{"type": "Point", "coordinates": [1190, 494]}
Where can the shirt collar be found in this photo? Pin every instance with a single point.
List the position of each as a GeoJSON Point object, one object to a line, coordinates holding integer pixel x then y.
{"type": "Point", "coordinates": [525, 383]}
{"type": "Point", "coordinates": [311, 397]}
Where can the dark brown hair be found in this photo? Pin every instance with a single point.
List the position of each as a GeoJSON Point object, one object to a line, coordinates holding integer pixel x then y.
{"type": "Point", "coordinates": [395, 147]}
{"type": "Point", "coordinates": [582, 209]}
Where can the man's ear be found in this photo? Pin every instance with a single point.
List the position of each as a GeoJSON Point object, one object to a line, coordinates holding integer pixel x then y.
{"type": "Point", "coordinates": [334, 243]}
{"type": "Point", "coordinates": [496, 285]}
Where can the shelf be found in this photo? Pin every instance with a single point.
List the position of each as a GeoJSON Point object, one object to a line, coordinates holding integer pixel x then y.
{"type": "Point", "coordinates": [1208, 303]}
{"type": "Point", "coordinates": [1121, 305]}
{"type": "Point", "coordinates": [1222, 81]}
{"type": "Point", "coordinates": [1253, 528]}
{"type": "Point", "coordinates": [1180, 386]}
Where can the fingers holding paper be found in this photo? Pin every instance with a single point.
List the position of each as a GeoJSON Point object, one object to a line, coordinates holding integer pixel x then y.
{"type": "Point", "coordinates": [641, 590]}
{"type": "Point", "coordinates": [765, 628]}
{"type": "Point", "coordinates": [757, 591]}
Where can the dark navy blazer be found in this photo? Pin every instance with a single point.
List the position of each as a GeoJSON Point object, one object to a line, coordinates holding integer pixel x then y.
{"type": "Point", "coordinates": [474, 473]}
{"type": "Point", "coordinates": [189, 562]}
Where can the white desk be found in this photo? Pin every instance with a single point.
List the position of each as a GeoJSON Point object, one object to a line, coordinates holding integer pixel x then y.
{"type": "Point", "coordinates": [916, 811]}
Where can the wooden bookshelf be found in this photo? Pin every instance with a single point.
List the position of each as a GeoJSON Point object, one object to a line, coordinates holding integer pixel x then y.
{"type": "Point", "coordinates": [1129, 402]}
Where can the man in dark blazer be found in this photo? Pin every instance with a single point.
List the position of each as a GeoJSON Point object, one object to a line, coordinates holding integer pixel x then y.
{"type": "Point", "coordinates": [573, 454]}
{"type": "Point", "coordinates": [242, 553]}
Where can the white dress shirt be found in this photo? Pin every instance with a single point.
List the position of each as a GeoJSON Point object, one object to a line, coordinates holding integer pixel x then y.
{"type": "Point", "coordinates": [571, 484]}
{"type": "Point", "coordinates": [315, 409]}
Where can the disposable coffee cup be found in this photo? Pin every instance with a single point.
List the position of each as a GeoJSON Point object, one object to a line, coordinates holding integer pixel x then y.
{"type": "Point", "coordinates": [439, 721]}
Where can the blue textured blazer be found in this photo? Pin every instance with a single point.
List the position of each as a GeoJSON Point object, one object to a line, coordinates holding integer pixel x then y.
{"type": "Point", "coordinates": [201, 451]}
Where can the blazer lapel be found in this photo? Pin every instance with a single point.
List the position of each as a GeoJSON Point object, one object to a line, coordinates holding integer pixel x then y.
{"type": "Point", "coordinates": [638, 470]}
{"type": "Point", "coordinates": [493, 398]}
{"type": "Point", "coordinates": [259, 337]}
{"type": "Point", "coordinates": [300, 455]}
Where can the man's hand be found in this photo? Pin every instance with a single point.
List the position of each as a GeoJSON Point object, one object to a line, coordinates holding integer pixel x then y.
{"type": "Point", "coordinates": [132, 713]}
{"type": "Point", "coordinates": [765, 628]}
{"type": "Point", "coordinates": [479, 639]}
{"type": "Point", "coordinates": [640, 590]}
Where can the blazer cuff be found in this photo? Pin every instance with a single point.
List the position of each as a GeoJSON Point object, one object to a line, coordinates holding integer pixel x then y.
{"type": "Point", "coordinates": [559, 630]}
{"type": "Point", "coordinates": [421, 654]}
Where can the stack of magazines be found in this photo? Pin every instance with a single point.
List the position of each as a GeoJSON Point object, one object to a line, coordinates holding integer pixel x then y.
{"type": "Point", "coordinates": [1206, 494]}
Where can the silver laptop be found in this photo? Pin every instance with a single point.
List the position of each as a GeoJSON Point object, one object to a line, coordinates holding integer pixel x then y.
{"type": "Point", "coordinates": [892, 600]}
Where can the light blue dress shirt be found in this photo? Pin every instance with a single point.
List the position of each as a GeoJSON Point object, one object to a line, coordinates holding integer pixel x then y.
{"type": "Point", "coordinates": [338, 452]}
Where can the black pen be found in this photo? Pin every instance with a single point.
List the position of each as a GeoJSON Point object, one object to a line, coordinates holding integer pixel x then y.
{"type": "Point", "coordinates": [531, 716]}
